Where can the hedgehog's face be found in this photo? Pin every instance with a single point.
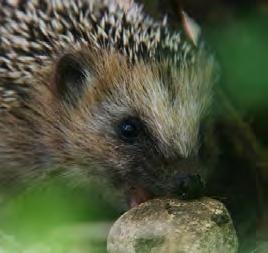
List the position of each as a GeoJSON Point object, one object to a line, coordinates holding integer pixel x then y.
{"type": "Point", "coordinates": [136, 124]}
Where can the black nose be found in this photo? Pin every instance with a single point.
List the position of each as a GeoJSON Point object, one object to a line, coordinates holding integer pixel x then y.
{"type": "Point", "coordinates": [189, 187]}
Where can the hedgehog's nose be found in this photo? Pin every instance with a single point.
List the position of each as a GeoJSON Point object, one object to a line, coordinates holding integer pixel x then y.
{"type": "Point", "coordinates": [189, 186]}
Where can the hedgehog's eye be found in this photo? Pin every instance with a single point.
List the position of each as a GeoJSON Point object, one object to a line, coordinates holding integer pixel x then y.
{"type": "Point", "coordinates": [129, 129]}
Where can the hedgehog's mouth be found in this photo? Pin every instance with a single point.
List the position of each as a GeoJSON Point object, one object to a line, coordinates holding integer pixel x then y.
{"type": "Point", "coordinates": [138, 195]}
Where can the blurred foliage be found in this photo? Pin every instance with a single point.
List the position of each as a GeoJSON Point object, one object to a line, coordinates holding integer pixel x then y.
{"type": "Point", "coordinates": [241, 47]}
{"type": "Point", "coordinates": [242, 50]}
{"type": "Point", "coordinates": [55, 218]}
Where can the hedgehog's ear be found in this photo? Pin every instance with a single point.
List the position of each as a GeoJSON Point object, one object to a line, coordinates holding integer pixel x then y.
{"type": "Point", "coordinates": [191, 28]}
{"type": "Point", "coordinates": [70, 78]}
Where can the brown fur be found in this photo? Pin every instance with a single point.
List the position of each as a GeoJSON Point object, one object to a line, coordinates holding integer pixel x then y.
{"type": "Point", "coordinates": [132, 66]}
{"type": "Point", "coordinates": [49, 134]}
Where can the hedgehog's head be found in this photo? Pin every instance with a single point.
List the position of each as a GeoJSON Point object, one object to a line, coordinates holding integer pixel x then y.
{"type": "Point", "coordinates": [137, 124]}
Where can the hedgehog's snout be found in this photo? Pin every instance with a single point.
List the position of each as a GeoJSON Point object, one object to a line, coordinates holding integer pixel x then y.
{"type": "Point", "coordinates": [189, 186]}
{"type": "Point", "coordinates": [186, 187]}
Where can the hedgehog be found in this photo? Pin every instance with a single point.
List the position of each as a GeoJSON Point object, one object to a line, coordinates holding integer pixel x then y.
{"type": "Point", "coordinates": [99, 88]}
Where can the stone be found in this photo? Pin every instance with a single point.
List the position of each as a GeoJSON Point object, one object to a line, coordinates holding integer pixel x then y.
{"type": "Point", "coordinates": [174, 226]}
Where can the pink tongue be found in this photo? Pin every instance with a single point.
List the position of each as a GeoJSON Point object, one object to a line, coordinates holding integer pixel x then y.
{"type": "Point", "coordinates": [138, 196]}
